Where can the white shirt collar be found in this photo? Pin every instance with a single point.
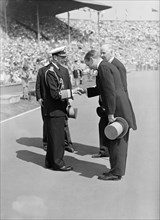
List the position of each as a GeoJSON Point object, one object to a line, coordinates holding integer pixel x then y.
{"type": "Point", "coordinates": [99, 63]}
{"type": "Point", "coordinates": [55, 65]}
{"type": "Point", "coordinates": [110, 61]}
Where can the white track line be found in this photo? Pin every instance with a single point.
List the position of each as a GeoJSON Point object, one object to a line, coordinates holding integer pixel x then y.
{"type": "Point", "coordinates": [18, 115]}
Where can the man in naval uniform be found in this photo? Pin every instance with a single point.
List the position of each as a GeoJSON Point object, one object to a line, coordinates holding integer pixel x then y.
{"type": "Point", "coordinates": [40, 96]}
{"type": "Point", "coordinates": [57, 94]}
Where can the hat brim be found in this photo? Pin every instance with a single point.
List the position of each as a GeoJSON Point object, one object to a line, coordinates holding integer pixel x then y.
{"type": "Point", "coordinates": [60, 51]}
{"type": "Point", "coordinates": [60, 55]}
{"type": "Point", "coordinates": [125, 125]}
{"type": "Point", "coordinates": [73, 113]}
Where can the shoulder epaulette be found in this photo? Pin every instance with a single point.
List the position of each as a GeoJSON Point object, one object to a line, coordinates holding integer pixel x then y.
{"type": "Point", "coordinates": [46, 64]}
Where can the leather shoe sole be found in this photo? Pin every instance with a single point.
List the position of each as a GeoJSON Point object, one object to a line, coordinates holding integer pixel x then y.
{"type": "Point", "coordinates": [109, 176]}
{"type": "Point", "coordinates": [99, 155]}
{"type": "Point", "coordinates": [45, 146]}
{"type": "Point", "coordinates": [64, 168]}
{"type": "Point", "coordinates": [47, 165]}
{"type": "Point", "coordinates": [69, 149]}
{"type": "Point", "coordinates": [105, 173]}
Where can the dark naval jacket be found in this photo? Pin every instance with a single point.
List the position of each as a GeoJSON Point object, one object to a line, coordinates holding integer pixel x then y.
{"type": "Point", "coordinates": [55, 79]}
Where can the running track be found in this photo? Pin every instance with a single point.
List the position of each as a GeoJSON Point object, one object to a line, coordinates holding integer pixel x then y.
{"type": "Point", "coordinates": [28, 191]}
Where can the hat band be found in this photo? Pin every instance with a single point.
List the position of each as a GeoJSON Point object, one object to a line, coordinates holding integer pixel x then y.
{"type": "Point", "coordinates": [61, 54]}
{"type": "Point", "coordinates": [118, 126]}
{"type": "Point", "coordinates": [113, 130]}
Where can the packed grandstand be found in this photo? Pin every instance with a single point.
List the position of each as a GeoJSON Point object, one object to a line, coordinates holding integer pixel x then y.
{"type": "Point", "coordinates": [134, 42]}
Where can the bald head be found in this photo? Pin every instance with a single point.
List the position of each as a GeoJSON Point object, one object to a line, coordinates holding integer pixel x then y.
{"type": "Point", "coordinates": [107, 52]}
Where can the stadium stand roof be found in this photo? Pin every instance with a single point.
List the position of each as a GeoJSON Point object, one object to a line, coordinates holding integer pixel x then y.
{"type": "Point", "coordinates": [94, 4]}
{"type": "Point", "coordinates": [53, 7]}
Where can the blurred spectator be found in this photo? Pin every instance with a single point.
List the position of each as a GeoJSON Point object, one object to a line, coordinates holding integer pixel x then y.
{"type": "Point", "coordinates": [2, 77]}
{"type": "Point", "coordinates": [82, 68]}
{"type": "Point", "coordinates": [77, 73]}
{"type": "Point", "coordinates": [135, 43]}
{"type": "Point", "coordinates": [26, 76]}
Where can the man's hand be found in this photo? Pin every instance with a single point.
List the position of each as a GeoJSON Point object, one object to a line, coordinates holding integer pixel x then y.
{"type": "Point", "coordinates": [40, 102]}
{"type": "Point", "coordinates": [84, 91]}
{"type": "Point", "coordinates": [78, 91]}
{"type": "Point", "coordinates": [111, 118]}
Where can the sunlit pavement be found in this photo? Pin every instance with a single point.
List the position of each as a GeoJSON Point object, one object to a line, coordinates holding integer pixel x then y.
{"type": "Point", "coordinates": [29, 191]}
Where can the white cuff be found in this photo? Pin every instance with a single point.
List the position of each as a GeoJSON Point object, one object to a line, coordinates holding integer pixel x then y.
{"type": "Point", "coordinates": [87, 92]}
{"type": "Point", "coordinates": [66, 94]}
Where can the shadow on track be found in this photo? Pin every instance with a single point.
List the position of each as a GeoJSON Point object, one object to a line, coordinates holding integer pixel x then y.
{"type": "Point", "coordinates": [30, 142]}
{"type": "Point", "coordinates": [83, 149]}
{"type": "Point", "coordinates": [84, 168]}
{"type": "Point", "coordinates": [80, 149]}
{"type": "Point", "coordinates": [32, 157]}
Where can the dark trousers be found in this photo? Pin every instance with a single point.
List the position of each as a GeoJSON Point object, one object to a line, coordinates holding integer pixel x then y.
{"type": "Point", "coordinates": [68, 141]}
{"type": "Point", "coordinates": [55, 146]}
{"type": "Point", "coordinates": [103, 141]}
{"type": "Point", "coordinates": [117, 149]}
{"type": "Point", "coordinates": [44, 126]}
{"type": "Point", "coordinates": [118, 155]}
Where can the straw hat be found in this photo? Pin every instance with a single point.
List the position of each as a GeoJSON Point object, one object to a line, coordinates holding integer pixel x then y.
{"type": "Point", "coordinates": [117, 129]}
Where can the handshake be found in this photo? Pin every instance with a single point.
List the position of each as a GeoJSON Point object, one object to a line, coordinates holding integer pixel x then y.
{"type": "Point", "coordinates": [79, 91]}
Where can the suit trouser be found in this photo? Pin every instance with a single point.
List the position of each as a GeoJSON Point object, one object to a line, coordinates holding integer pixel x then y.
{"type": "Point", "coordinates": [102, 138]}
{"type": "Point", "coordinates": [118, 155]}
{"type": "Point", "coordinates": [117, 149]}
{"type": "Point", "coordinates": [44, 126]}
{"type": "Point", "coordinates": [55, 146]}
{"type": "Point", "coordinates": [67, 133]}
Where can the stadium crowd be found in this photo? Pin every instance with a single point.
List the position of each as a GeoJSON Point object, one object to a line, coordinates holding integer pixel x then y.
{"type": "Point", "coordinates": [135, 43]}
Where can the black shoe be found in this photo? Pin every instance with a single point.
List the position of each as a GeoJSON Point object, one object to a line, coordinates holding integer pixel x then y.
{"type": "Point", "coordinates": [109, 176]}
{"type": "Point", "coordinates": [44, 146]}
{"type": "Point", "coordinates": [100, 154]}
{"type": "Point", "coordinates": [105, 173]}
{"type": "Point", "coordinates": [64, 168]}
{"type": "Point", "coordinates": [69, 149]}
{"type": "Point", "coordinates": [47, 166]}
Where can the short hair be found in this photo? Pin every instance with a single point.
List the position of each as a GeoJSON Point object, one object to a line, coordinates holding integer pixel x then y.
{"type": "Point", "coordinates": [91, 53]}
{"type": "Point", "coordinates": [108, 48]}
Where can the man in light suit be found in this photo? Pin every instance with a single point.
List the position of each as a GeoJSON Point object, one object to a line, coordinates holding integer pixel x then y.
{"type": "Point", "coordinates": [116, 104]}
{"type": "Point", "coordinates": [107, 53]}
